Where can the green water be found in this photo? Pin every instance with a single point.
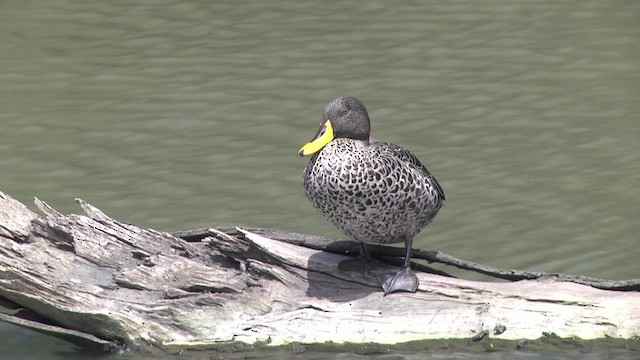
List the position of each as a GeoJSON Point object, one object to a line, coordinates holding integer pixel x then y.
{"type": "Point", "coordinates": [176, 115]}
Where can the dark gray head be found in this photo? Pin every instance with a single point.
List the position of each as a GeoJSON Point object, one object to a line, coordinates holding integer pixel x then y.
{"type": "Point", "coordinates": [349, 118]}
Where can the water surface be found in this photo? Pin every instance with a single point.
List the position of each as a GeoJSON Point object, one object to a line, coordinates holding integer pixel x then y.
{"type": "Point", "coordinates": [176, 115]}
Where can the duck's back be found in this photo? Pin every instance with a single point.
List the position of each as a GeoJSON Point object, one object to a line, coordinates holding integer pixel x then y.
{"type": "Point", "coordinates": [376, 192]}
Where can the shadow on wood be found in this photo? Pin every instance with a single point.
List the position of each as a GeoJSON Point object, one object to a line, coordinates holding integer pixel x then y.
{"type": "Point", "coordinates": [102, 281]}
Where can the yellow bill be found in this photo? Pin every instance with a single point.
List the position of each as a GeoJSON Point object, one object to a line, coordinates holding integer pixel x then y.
{"type": "Point", "coordinates": [322, 138]}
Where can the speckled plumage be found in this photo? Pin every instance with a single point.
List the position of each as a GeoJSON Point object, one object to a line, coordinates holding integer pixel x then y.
{"type": "Point", "coordinates": [374, 192]}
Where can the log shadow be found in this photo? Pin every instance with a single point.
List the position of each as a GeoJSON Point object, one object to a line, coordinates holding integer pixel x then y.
{"type": "Point", "coordinates": [336, 278]}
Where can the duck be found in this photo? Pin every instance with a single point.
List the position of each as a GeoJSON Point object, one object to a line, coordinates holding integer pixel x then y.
{"type": "Point", "coordinates": [374, 192]}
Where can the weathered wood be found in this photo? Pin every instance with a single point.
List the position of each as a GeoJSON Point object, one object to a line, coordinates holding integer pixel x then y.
{"type": "Point", "coordinates": [98, 278]}
{"type": "Point", "coordinates": [394, 255]}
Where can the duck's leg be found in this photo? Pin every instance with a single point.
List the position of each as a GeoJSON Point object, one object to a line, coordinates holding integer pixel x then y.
{"type": "Point", "coordinates": [364, 257]}
{"type": "Point", "coordinates": [359, 264]}
{"type": "Point", "coordinates": [404, 279]}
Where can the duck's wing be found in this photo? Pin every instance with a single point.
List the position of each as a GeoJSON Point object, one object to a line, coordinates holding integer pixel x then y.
{"type": "Point", "coordinates": [405, 156]}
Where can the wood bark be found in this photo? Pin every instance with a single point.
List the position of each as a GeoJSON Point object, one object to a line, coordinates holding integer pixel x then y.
{"type": "Point", "coordinates": [98, 280]}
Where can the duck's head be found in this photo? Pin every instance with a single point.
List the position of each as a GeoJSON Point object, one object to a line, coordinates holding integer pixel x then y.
{"type": "Point", "coordinates": [344, 117]}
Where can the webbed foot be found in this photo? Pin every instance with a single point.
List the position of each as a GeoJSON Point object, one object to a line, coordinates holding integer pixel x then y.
{"type": "Point", "coordinates": [403, 280]}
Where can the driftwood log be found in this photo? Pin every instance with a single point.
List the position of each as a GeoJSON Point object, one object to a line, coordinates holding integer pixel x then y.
{"type": "Point", "coordinates": [94, 279]}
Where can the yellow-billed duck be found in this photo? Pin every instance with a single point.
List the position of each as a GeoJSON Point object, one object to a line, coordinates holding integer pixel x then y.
{"type": "Point", "coordinates": [374, 192]}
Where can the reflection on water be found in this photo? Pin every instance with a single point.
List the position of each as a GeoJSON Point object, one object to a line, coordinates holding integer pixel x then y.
{"type": "Point", "coordinates": [190, 114]}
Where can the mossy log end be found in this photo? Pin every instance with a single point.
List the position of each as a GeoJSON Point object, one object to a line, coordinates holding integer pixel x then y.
{"type": "Point", "coordinates": [95, 279]}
